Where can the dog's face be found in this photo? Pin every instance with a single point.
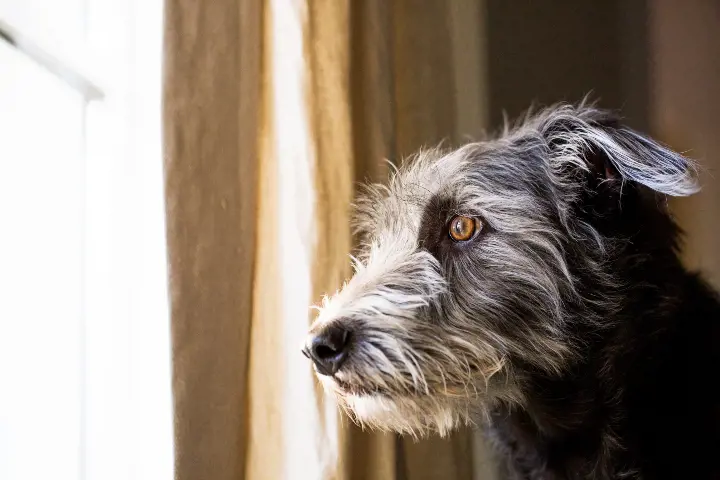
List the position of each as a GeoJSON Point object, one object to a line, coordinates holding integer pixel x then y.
{"type": "Point", "coordinates": [483, 264]}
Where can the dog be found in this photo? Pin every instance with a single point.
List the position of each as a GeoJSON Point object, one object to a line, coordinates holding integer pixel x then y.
{"type": "Point", "coordinates": [531, 285]}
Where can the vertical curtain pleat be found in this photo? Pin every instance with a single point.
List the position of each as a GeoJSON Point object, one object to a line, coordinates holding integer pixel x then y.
{"type": "Point", "coordinates": [211, 85]}
{"type": "Point", "coordinates": [293, 433]}
{"type": "Point", "coordinates": [265, 448]}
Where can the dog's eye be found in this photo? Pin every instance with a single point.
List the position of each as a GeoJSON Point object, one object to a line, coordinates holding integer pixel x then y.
{"type": "Point", "coordinates": [463, 229]}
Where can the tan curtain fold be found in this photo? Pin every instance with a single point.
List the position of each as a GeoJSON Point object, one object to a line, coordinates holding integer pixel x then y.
{"type": "Point", "coordinates": [211, 87]}
{"type": "Point", "coordinates": [264, 444]}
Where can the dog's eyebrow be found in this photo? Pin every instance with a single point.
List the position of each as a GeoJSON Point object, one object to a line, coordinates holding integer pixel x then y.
{"type": "Point", "coordinates": [415, 198]}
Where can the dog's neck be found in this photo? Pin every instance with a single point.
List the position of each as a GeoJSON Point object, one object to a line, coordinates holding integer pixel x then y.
{"type": "Point", "coordinates": [579, 421]}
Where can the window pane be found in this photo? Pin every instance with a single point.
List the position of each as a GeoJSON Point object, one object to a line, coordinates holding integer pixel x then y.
{"type": "Point", "coordinates": [41, 205]}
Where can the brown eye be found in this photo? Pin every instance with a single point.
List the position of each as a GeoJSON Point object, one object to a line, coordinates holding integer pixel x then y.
{"type": "Point", "coordinates": [463, 229]}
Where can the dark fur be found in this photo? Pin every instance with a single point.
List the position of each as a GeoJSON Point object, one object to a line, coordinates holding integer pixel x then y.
{"type": "Point", "coordinates": [609, 348]}
{"type": "Point", "coordinates": [651, 378]}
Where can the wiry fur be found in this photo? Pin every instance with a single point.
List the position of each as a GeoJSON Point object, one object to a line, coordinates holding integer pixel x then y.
{"type": "Point", "coordinates": [566, 326]}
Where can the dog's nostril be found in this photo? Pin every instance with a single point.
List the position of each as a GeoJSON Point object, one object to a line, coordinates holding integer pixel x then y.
{"type": "Point", "coordinates": [329, 348]}
{"type": "Point", "coordinates": [325, 352]}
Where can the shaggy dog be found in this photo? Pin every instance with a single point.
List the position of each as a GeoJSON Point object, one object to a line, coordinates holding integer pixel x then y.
{"type": "Point", "coordinates": [532, 284]}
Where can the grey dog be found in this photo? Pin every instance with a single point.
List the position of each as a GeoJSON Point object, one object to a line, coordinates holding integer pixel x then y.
{"type": "Point", "coordinates": [531, 285]}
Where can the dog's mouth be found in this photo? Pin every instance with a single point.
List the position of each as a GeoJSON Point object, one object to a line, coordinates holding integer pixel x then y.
{"type": "Point", "coordinates": [344, 388]}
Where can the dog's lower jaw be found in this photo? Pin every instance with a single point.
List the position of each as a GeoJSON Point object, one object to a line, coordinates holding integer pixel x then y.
{"type": "Point", "coordinates": [435, 411]}
{"type": "Point", "coordinates": [419, 415]}
{"type": "Point", "coordinates": [409, 416]}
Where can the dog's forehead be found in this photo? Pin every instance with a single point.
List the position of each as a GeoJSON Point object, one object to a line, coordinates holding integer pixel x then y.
{"type": "Point", "coordinates": [433, 174]}
{"type": "Point", "coordinates": [414, 187]}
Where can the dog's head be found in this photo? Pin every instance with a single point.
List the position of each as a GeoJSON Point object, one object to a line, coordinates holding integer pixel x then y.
{"type": "Point", "coordinates": [481, 264]}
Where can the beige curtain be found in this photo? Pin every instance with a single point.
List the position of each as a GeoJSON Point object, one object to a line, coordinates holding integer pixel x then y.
{"type": "Point", "coordinates": [686, 99]}
{"type": "Point", "coordinates": [273, 110]}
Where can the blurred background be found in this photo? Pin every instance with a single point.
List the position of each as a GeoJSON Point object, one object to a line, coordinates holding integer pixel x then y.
{"type": "Point", "coordinates": [175, 189]}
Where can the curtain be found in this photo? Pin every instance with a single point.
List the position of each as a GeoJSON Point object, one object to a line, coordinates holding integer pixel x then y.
{"type": "Point", "coordinates": [685, 100]}
{"type": "Point", "coordinates": [273, 111]}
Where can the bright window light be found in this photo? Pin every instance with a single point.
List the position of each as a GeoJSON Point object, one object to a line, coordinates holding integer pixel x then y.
{"type": "Point", "coordinates": [84, 328]}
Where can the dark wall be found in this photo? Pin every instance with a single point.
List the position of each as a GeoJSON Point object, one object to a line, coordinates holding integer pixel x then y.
{"type": "Point", "coordinates": [547, 51]}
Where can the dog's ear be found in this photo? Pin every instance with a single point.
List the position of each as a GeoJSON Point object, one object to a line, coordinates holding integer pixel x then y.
{"type": "Point", "coordinates": [593, 142]}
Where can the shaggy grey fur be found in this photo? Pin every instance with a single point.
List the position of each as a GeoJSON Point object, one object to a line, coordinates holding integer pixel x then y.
{"type": "Point", "coordinates": [437, 333]}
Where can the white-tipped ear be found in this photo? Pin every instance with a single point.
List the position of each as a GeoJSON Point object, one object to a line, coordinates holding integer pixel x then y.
{"type": "Point", "coordinates": [595, 140]}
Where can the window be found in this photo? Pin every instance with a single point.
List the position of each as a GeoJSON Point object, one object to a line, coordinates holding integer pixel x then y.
{"type": "Point", "coordinates": [84, 331]}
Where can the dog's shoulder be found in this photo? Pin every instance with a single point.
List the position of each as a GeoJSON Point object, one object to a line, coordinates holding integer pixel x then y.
{"type": "Point", "coordinates": [654, 415]}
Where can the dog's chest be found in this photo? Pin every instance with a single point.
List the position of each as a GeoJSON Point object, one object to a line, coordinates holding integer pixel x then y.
{"type": "Point", "coordinates": [527, 454]}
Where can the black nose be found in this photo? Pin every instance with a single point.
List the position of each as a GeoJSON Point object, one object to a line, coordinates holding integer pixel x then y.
{"type": "Point", "coordinates": [328, 349]}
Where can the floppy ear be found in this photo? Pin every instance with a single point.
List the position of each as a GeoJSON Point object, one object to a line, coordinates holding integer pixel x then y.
{"type": "Point", "coordinates": [595, 142]}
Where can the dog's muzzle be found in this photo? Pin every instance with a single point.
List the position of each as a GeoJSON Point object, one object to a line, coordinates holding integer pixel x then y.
{"type": "Point", "coordinates": [328, 348]}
